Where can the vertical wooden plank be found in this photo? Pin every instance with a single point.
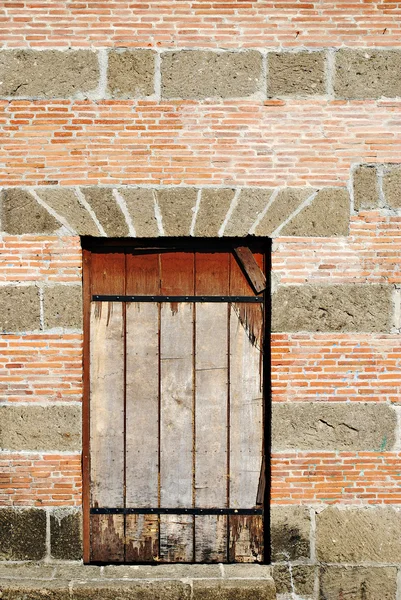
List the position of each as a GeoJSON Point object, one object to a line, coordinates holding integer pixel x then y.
{"type": "Point", "coordinates": [107, 421]}
{"type": "Point", "coordinates": [107, 533]}
{"type": "Point", "coordinates": [177, 273]}
{"type": "Point", "coordinates": [141, 538]}
{"type": "Point", "coordinates": [246, 538]}
{"type": "Point", "coordinates": [108, 273]}
{"type": "Point", "coordinates": [143, 274]}
{"type": "Point", "coordinates": [86, 275]}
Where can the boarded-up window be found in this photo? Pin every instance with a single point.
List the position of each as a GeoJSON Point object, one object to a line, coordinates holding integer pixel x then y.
{"type": "Point", "coordinates": [174, 415]}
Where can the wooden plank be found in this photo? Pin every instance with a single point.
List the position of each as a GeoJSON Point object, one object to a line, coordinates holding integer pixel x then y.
{"type": "Point", "coordinates": [141, 538]}
{"type": "Point", "coordinates": [107, 538]}
{"type": "Point", "coordinates": [246, 538]}
{"type": "Point", "coordinates": [86, 275]}
{"type": "Point", "coordinates": [212, 273]}
{"type": "Point", "coordinates": [108, 273]}
{"type": "Point", "coordinates": [239, 284]}
{"type": "Point", "coordinates": [143, 274]}
{"type": "Point", "coordinates": [107, 404]}
{"type": "Point", "coordinates": [211, 538]}
{"type": "Point", "coordinates": [251, 268]}
{"type": "Point", "coordinates": [177, 273]}
{"type": "Point", "coordinates": [176, 538]}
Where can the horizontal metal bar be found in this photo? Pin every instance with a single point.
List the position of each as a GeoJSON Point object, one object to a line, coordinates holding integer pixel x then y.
{"type": "Point", "coordinates": [100, 298]}
{"type": "Point", "coordinates": [176, 511]}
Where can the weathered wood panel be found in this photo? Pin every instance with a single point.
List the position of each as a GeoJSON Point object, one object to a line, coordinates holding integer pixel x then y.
{"type": "Point", "coordinates": [176, 538]}
{"type": "Point", "coordinates": [211, 538]}
{"type": "Point", "coordinates": [141, 538]}
{"type": "Point", "coordinates": [108, 273]}
{"type": "Point", "coordinates": [246, 538]}
{"type": "Point", "coordinates": [107, 538]}
{"type": "Point", "coordinates": [142, 274]}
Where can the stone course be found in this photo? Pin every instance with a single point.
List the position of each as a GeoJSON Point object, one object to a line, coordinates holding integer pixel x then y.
{"type": "Point", "coordinates": [296, 74]}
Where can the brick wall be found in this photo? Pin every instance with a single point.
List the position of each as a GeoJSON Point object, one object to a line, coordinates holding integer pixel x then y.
{"type": "Point", "coordinates": [212, 119]}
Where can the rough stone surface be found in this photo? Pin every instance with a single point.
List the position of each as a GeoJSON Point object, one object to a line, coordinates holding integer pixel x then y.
{"type": "Point", "coordinates": [392, 186]}
{"type": "Point", "coordinates": [296, 73]}
{"type": "Point", "coordinates": [65, 203]}
{"type": "Point", "coordinates": [327, 216]}
{"type": "Point", "coordinates": [281, 208]}
{"type": "Point", "coordinates": [353, 535]}
{"type": "Point", "coordinates": [289, 533]}
{"type": "Point", "coordinates": [234, 590]}
{"type": "Point", "coordinates": [63, 306]}
{"type": "Point", "coordinates": [204, 74]}
{"type": "Point", "coordinates": [131, 73]}
{"type": "Point", "coordinates": [300, 580]}
{"type": "Point", "coordinates": [176, 207]}
{"type": "Point", "coordinates": [366, 188]}
{"type": "Point", "coordinates": [250, 204]}
{"type": "Point", "coordinates": [367, 73]}
{"type": "Point", "coordinates": [333, 426]}
{"type": "Point", "coordinates": [347, 307]}
{"type": "Point", "coordinates": [40, 428]}
{"type": "Point", "coordinates": [21, 213]}
{"type": "Point", "coordinates": [22, 534]}
{"type": "Point", "coordinates": [140, 590]}
{"type": "Point", "coordinates": [20, 308]}
{"type": "Point", "coordinates": [358, 583]}
{"type": "Point", "coordinates": [106, 209]}
{"type": "Point", "coordinates": [161, 571]}
{"type": "Point", "coordinates": [212, 211]}
{"type": "Point", "coordinates": [141, 207]}
{"type": "Point", "coordinates": [66, 534]}
{"type": "Point", "coordinates": [48, 73]}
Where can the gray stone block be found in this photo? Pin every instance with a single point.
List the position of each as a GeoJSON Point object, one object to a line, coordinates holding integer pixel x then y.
{"type": "Point", "coordinates": [358, 583]}
{"type": "Point", "coordinates": [392, 186]}
{"type": "Point", "coordinates": [213, 208]}
{"type": "Point", "coordinates": [65, 203]}
{"type": "Point", "coordinates": [297, 74]}
{"type": "Point", "coordinates": [63, 306]}
{"type": "Point", "coordinates": [40, 428]}
{"type": "Point", "coordinates": [177, 208]}
{"type": "Point", "coordinates": [333, 426]}
{"type": "Point", "coordinates": [300, 580]}
{"type": "Point", "coordinates": [106, 209]}
{"type": "Point", "coordinates": [21, 213]}
{"type": "Point", "coordinates": [202, 74]}
{"type": "Point", "coordinates": [20, 308]}
{"type": "Point", "coordinates": [66, 534]}
{"type": "Point", "coordinates": [353, 535]}
{"type": "Point", "coordinates": [289, 533]}
{"type": "Point", "coordinates": [287, 200]}
{"type": "Point", "coordinates": [162, 571]}
{"type": "Point", "coordinates": [130, 73]}
{"type": "Point", "coordinates": [344, 307]}
{"type": "Point", "coordinates": [367, 73]}
{"type": "Point", "coordinates": [327, 216]}
{"type": "Point", "coordinates": [141, 207]}
{"type": "Point", "coordinates": [139, 590]}
{"type": "Point", "coordinates": [48, 73]}
{"type": "Point", "coordinates": [22, 534]}
{"type": "Point", "coordinates": [251, 203]}
{"type": "Point", "coordinates": [366, 188]}
{"type": "Point", "coordinates": [242, 589]}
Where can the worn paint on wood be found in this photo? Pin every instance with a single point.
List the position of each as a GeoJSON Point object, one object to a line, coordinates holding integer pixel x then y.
{"type": "Point", "coordinates": [251, 268]}
{"type": "Point", "coordinates": [176, 538]}
{"type": "Point", "coordinates": [141, 538]}
{"type": "Point", "coordinates": [246, 538]}
{"type": "Point", "coordinates": [107, 538]}
{"type": "Point", "coordinates": [211, 538]}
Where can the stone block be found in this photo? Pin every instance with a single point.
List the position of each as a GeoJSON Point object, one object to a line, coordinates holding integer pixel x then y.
{"type": "Point", "coordinates": [392, 186]}
{"type": "Point", "coordinates": [247, 571]}
{"type": "Point", "coordinates": [358, 583]}
{"type": "Point", "coordinates": [106, 209]}
{"type": "Point", "coordinates": [66, 534]}
{"type": "Point", "coordinates": [367, 73]}
{"type": "Point", "coordinates": [22, 533]}
{"type": "Point", "coordinates": [343, 307]}
{"type": "Point", "coordinates": [251, 203]}
{"type": "Point", "coordinates": [20, 308]}
{"type": "Point", "coordinates": [289, 533]}
{"type": "Point", "coordinates": [177, 207]}
{"type": "Point", "coordinates": [21, 213]}
{"type": "Point", "coordinates": [333, 426]}
{"type": "Point", "coordinates": [48, 73]}
{"type": "Point", "coordinates": [34, 590]}
{"type": "Point", "coordinates": [285, 203]}
{"type": "Point", "coordinates": [213, 208]}
{"type": "Point", "coordinates": [130, 73]}
{"type": "Point", "coordinates": [353, 535]}
{"type": "Point", "coordinates": [161, 571]}
{"type": "Point", "coordinates": [240, 589]}
{"type": "Point", "coordinates": [140, 204]}
{"type": "Point", "coordinates": [295, 579]}
{"type": "Point", "coordinates": [63, 306]}
{"type": "Point", "coordinates": [202, 74]}
{"type": "Point", "coordinates": [140, 590]}
{"type": "Point", "coordinates": [40, 428]}
{"type": "Point", "coordinates": [296, 74]}
{"type": "Point", "coordinates": [366, 188]}
{"type": "Point", "coordinates": [65, 203]}
{"type": "Point", "coordinates": [327, 216]}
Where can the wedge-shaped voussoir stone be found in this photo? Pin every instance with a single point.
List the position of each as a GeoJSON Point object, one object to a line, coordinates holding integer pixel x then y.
{"type": "Point", "coordinates": [177, 207]}
{"type": "Point", "coordinates": [367, 73]}
{"type": "Point", "coordinates": [353, 535]}
{"type": "Point", "coordinates": [140, 204]}
{"type": "Point", "coordinates": [392, 186]}
{"type": "Point", "coordinates": [48, 73]}
{"type": "Point", "coordinates": [104, 205]}
{"type": "Point", "coordinates": [20, 308]}
{"type": "Point", "coordinates": [326, 216]}
{"type": "Point", "coordinates": [62, 305]}
{"type": "Point", "coordinates": [343, 307]}
{"type": "Point", "coordinates": [21, 213]}
{"type": "Point", "coordinates": [131, 73]}
{"type": "Point", "coordinates": [296, 73]}
{"type": "Point", "coordinates": [65, 203]}
{"type": "Point", "coordinates": [359, 583]}
{"type": "Point", "coordinates": [333, 426]}
{"type": "Point", "coordinates": [366, 188]}
{"type": "Point", "coordinates": [251, 203]}
{"type": "Point", "coordinates": [289, 533]}
{"type": "Point", "coordinates": [212, 211]}
{"type": "Point", "coordinates": [285, 203]}
{"type": "Point", "coordinates": [202, 74]}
